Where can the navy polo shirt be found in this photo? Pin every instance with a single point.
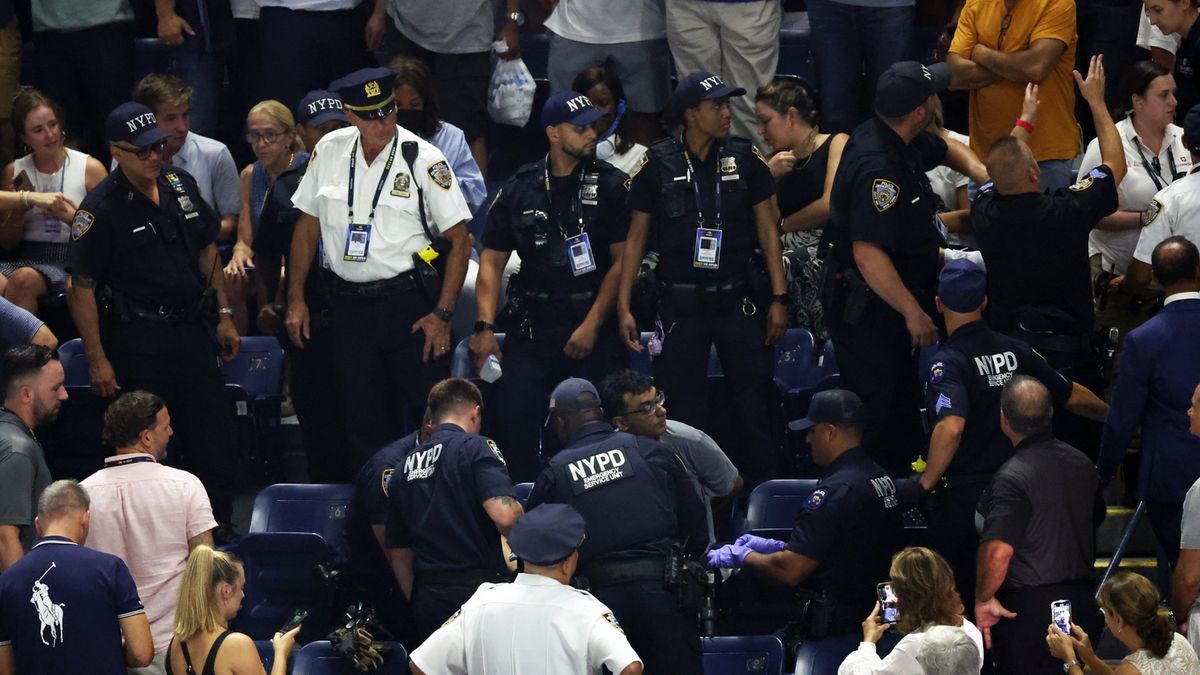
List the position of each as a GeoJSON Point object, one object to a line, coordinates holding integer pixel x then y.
{"type": "Point", "coordinates": [435, 502]}
{"type": "Point", "coordinates": [61, 606]}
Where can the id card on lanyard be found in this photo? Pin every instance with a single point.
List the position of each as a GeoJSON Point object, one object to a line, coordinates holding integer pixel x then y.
{"type": "Point", "coordinates": [579, 245]}
{"type": "Point", "coordinates": [358, 236]}
{"type": "Point", "coordinates": [707, 252]}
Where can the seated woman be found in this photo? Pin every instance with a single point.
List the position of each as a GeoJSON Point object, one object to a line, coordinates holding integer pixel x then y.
{"type": "Point", "coordinates": [210, 595]}
{"type": "Point", "coordinates": [35, 238]}
{"type": "Point", "coordinates": [613, 144]}
{"type": "Point", "coordinates": [804, 164]}
{"type": "Point", "coordinates": [925, 597]}
{"type": "Point", "coordinates": [1135, 615]}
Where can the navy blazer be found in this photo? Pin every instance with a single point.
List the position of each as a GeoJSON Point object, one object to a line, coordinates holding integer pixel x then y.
{"type": "Point", "coordinates": [1160, 368]}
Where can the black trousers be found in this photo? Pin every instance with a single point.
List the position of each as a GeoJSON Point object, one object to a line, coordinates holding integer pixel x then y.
{"type": "Point", "coordinates": [1019, 644]}
{"type": "Point", "coordinates": [381, 378]}
{"type": "Point", "coordinates": [178, 362]}
{"type": "Point", "coordinates": [1166, 519]}
{"type": "Point", "coordinates": [951, 532]}
{"type": "Point", "coordinates": [664, 636]}
{"type": "Point", "coordinates": [432, 604]}
{"type": "Point", "coordinates": [314, 383]}
{"type": "Point", "coordinates": [532, 367]}
{"type": "Point", "coordinates": [302, 50]}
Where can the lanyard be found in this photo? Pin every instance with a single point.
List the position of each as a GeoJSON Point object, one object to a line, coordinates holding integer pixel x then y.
{"type": "Point", "coordinates": [696, 184]}
{"type": "Point", "coordinates": [127, 460]}
{"type": "Point", "coordinates": [387, 168]}
{"type": "Point", "coordinates": [62, 177]}
{"type": "Point", "coordinates": [578, 204]}
{"type": "Point", "coordinates": [1155, 169]}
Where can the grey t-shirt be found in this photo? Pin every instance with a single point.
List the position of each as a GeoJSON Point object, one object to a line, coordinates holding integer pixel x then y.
{"type": "Point", "coordinates": [17, 326]}
{"type": "Point", "coordinates": [1191, 518]}
{"type": "Point", "coordinates": [711, 469]}
{"type": "Point", "coordinates": [447, 26]}
{"type": "Point", "coordinates": [23, 476]}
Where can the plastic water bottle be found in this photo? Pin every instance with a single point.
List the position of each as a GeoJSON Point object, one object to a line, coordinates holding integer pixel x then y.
{"type": "Point", "coordinates": [490, 372]}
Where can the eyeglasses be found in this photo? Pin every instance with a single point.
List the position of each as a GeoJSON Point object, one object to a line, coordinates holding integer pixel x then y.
{"type": "Point", "coordinates": [649, 407]}
{"type": "Point", "coordinates": [269, 137]}
{"type": "Point", "coordinates": [1003, 29]}
{"type": "Point", "coordinates": [144, 153]}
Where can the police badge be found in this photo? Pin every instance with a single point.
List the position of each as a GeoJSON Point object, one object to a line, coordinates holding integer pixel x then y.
{"type": "Point", "coordinates": [401, 184]}
{"type": "Point", "coordinates": [371, 88]}
{"type": "Point", "coordinates": [185, 203]}
{"type": "Point", "coordinates": [884, 194]}
{"type": "Point", "coordinates": [729, 165]}
{"type": "Point", "coordinates": [589, 192]}
{"type": "Point", "coordinates": [441, 174]}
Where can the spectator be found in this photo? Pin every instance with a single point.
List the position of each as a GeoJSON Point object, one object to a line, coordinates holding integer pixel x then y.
{"type": "Point", "coordinates": [19, 327]}
{"type": "Point", "coordinates": [1162, 48]}
{"type": "Point", "coordinates": [1134, 615]}
{"type": "Point", "coordinates": [199, 35]}
{"type": "Point", "coordinates": [925, 598]}
{"type": "Point", "coordinates": [1173, 211]}
{"type": "Point", "coordinates": [948, 651]}
{"type": "Point", "coordinates": [84, 60]}
{"type": "Point", "coordinates": [997, 49]}
{"type": "Point", "coordinates": [1185, 594]}
{"type": "Point", "coordinates": [207, 160]}
{"type": "Point", "coordinates": [636, 407]}
{"type": "Point", "coordinates": [1177, 19]}
{"type": "Point", "coordinates": [147, 514]}
{"type": "Point", "coordinates": [850, 39]}
{"type": "Point", "coordinates": [1038, 537]}
{"type": "Point", "coordinates": [627, 36]}
{"type": "Point", "coordinates": [210, 595]}
{"type": "Point", "coordinates": [1159, 367]}
{"type": "Point", "coordinates": [950, 185]}
{"type": "Point", "coordinates": [613, 141]}
{"type": "Point", "coordinates": [1156, 156]}
{"type": "Point", "coordinates": [804, 164]}
{"type": "Point", "coordinates": [36, 238]}
{"type": "Point", "coordinates": [33, 393]}
{"type": "Point", "coordinates": [90, 592]}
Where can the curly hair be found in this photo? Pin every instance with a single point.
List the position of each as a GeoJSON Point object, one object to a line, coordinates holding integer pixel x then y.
{"type": "Point", "coordinates": [925, 592]}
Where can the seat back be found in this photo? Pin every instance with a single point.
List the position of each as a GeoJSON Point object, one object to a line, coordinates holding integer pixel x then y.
{"type": "Point", "coordinates": [775, 503]}
{"type": "Point", "coordinates": [281, 577]}
{"type": "Point", "coordinates": [795, 360]}
{"type": "Point", "coordinates": [296, 507]}
{"type": "Point", "coordinates": [266, 653]}
{"type": "Point", "coordinates": [523, 490]}
{"type": "Point", "coordinates": [319, 658]}
{"type": "Point", "coordinates": [258, 367]}
{"type": "Point", "coordinates": [824, 656]}
{"type": "Point", "coordinates": [756, 654]}
{"type": "Point", "coordinates": [74, 363]}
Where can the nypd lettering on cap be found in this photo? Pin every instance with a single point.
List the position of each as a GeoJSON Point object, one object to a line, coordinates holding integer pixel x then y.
{"type": "Point", "coordinates": [578, 103]}
{"type": "Point", "coordinates": [141, 121]}
{"type": "Point", "coordinates": [600, 469]}
{"type": "Point", "coordinates": [322, 104]}
{"type": "Point", "coordinates": [709, 83]}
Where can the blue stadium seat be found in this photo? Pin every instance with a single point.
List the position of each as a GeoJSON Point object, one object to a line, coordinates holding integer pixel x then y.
{"type": "Point", "coordinates": [254, 382]}
{"type": "Point", "coordinates": [756, 654]}
{"type": "Point", "coordinates": [258, 367]}
{"type": "Point", "coordinates": [74, 363]}
{"type": "Point", "coordinates": [281, 577]}
{"type": "Point", "coordinates": [775, 503]}
{"type": "Point", "coordinates": [461, 365]}
{"type": "Point", "coordinates": [797, 373]}
{"type": "Point", "coordinates": [72, 443]}
{"type": "Point", "coordinates": [640, 361]}
{"type": "Point", "coordinates": [266, 653]}
{"type": "Point", "coordinates": [301, 507]}
{"type": "Point", "coordinates": [523, 490]}
{"type": "Point", "coordinates": [318, 658]}
{"type": "Point", "coordinates": [824, 656]}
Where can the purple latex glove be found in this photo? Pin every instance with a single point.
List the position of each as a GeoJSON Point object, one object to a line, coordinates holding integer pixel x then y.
{"type": "Point", "coordinates": [729, 555]}
{"type": "Point", "coordinates": [760, 544]}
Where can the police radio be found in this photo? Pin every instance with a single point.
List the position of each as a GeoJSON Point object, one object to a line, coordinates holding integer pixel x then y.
{"type": "Point", "coordinates": [428, 264]}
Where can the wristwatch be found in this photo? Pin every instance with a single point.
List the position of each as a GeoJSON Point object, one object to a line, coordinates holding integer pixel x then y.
{"type": "Point", "coordinates": [227, 311]}
{"type": "Point", "coordinates": [1070, 664]}
{"type": "Point", "coordinates": [481, 326]}
{"type": "Point", "coordinates": [443, 314]}
{"type": "Point", "coordinates": [782, 298]}
{"type": "Point", "coordinates": [516, 17]}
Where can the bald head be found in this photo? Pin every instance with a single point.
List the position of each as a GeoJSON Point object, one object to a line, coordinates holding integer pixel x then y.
{"type": "Point", "coordinates": [1011, 166]}
{"type": "Point", "coordinates": [1027, 407]}
{"type": "Point", "coordinates": [1175, 263]}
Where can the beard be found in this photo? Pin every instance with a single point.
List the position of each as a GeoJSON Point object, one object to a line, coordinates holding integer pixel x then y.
{"type": "Point", "coordinates": [43, 414]}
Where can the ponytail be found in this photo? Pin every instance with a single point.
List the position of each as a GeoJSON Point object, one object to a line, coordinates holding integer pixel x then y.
{"type": "Point", "coordinates": [197, 611]}
{"type": "Point", "coordinates": [1135, 599]}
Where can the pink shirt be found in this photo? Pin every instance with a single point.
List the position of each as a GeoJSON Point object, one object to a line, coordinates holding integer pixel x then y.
{"type": "Point", "coordinates": [144, 513]}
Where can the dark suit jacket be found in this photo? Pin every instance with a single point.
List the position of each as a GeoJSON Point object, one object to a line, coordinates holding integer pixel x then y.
{"type": "Point", "coordinates": [1160, 368]}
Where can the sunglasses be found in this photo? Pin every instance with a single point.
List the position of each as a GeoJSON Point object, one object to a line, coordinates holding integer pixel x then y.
{"type": "Point", "coordinates": [144, 153]}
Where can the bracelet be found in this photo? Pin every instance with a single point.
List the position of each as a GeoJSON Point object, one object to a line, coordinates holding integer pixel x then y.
{"type": "Point", "coordinates": [227, 311]}
{"type": "Point", "coordinates": [1024, 125]}
{"type": "Point", "coordinates": [25, 198]}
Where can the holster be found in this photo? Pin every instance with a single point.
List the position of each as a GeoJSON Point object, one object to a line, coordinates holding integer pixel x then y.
{"type": "Point", "coordinates": [857, 294]}
{"type": "Point", "coordinates": [644, 300]}
{"type": "Point", "coordinates": [685, 578]}
{"type": "Point", "coordinates": [758, 278]}
{"type": "Point", "coordinates": [429, 280]}
{"type": "Point", "coordinates": [816, 614]}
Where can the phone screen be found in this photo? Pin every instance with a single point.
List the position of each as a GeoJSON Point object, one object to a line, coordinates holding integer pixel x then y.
{"type": "Point", "coordinates": [1060, 613]}
{"type": "Point", "coordinates": [887, 602]}
{"type": "Point", "coordinates": [298, 617]}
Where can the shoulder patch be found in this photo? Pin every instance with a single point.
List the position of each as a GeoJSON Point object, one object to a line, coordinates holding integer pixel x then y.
{"type": "Point", "coordinates": [1083, 184]}
{"type": "Point", "coordinates": [81, 224]}
{"type": "Point", "coordinates": [496, 451]}
{"type": "Point", "coordinates": [440, 173]}
{"type": "Point", "coordinates": [816, 499]}
{"type": "Point", "coordinates": [637, 169]}
{"type": "Point", "coordinates": [943, 403]}
{"type": "Point", "coordinates": [1151, 212]}
{"type": "Point", "coordinates": [612, 621]}
{"type": "Point", "coordinates": [453, 617]}
{"type": "Point", "coordinates": [936, 372]}
{"type": "Point", "coordinates": [884, 194]}
{"type": "Point", "coordinates": [384, 479]}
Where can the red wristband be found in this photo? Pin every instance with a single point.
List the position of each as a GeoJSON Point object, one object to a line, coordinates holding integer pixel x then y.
{"type": "Point", "coordinates": [1024, 125]}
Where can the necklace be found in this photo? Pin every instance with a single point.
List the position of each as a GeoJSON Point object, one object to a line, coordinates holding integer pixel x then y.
{"type": "Point", "coordinates": [809, 144]}
{"type": "Point", "coordinates": [291, 158]}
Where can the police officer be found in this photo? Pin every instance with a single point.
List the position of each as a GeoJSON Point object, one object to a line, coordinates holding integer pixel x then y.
{"type": "Point", "coordinates": [381, 206]}
{"type": "Point", "coordinates": [883, 262]}
{"type": "Point", "coordinates": [566, 216]}
{"type": "Point", "coordinates": [845, 534]}
{"type": "Point", "coordinates": [448, 503]}
{"type": "Point", "coordinates": [143, 240]}
{"type": "Point", "coordinates": [641, 510]}
{"type": "Point", "coordinates": [962, 398]}
{"type": "Point", "coordinates": [704, 204]}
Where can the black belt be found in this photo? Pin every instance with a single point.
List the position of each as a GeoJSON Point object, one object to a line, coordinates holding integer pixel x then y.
{"type": "Point", "coordinates": [373, 289]}
{"type": "Point", "coordinates": [730, 287]}
{"type": "Point", "coordinates": [620, 572]}
{"type": "Point", "coordinates": [162, 313]}
{"type": "Point", "coordinates": [460, 578]}
{"type": "Point", "coordinates": [551, 298]}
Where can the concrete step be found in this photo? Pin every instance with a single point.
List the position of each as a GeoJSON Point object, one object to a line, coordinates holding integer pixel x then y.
{"type": "Point", "coordinates": [1110, 532]}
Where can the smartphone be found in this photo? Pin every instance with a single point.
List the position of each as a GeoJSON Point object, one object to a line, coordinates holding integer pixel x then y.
{"type": "Point", "coordinates": [298, 618]}
{"type": "Point", "coordinates": [887, 602]}
{"type": "Point", "coordinates": [1060, 614]}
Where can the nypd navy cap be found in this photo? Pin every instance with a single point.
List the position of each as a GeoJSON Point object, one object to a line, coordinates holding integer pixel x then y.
{"type": "Point", "coordinates": [1191, 129]}
{"type": "Point", "coordinates": [367, 92]}
{"type": "Point", "coordinates": [318, 107]}
{"type": "Point", "coordinates": [574, 393]}
{"type": "Point", "coordinates": [905, 85]}
{"type": "Point", "coordinates": [962, 286]}
{"type": "Point", "coordinates": [569, 107]}
{"type": "Point", "coordinates": [697, 87]}
{"type": "Point", "coordinates": [135, 124]}
{"type": "Point", "coordinates": [832, 406]}
{"type": "Point", "coordinates": [547, 534]}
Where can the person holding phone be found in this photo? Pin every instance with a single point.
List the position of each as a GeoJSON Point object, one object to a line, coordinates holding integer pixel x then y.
{"type": "Point", "coordinates": [922, 586]}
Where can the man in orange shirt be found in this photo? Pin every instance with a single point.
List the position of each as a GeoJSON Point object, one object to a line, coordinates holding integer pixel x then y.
{"type": "Point", "coordinates": [999, 47]}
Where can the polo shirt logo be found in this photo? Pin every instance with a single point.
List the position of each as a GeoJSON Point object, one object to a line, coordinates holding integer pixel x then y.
{"type": "Point", "coordinates": [49, 613]}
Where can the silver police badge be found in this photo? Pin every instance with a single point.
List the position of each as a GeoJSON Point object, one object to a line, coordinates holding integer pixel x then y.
{"type": "Point", "coordinates": [884, 194]}
{"type": "Point", "coordinates": [729, 165]}
{"type": "Point", "coordinates": [185, 203]}
{"type": "Point", "coordinates": [590, 191]}
{"type": "Point", "coordinates": [401, 184]}
{"type": "Point", "coordinates": [441, 174]}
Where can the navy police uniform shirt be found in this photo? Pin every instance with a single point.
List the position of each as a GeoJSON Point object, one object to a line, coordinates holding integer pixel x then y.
{"type": "Point", "coordinates": [968, 373]}
{"type": "Point", "coordinates": [370, 508]}
{"type": "Point", "coordinates": [664, 188]}
{"type": "Point", "coordinates": [61, 606]}
{"type": "Point", "coordinates": [633, 493]}
{"type": "Point", "coordinates": [277, 222]}
{"type": "Point", "coordinates": [435, 502]}
{"type": "Point", "coordinates": [536, 223]}
{"type": "Point", "coordinates": [148, 252]}
{"type": "Point", "coordinates": [1187, 78]}
{"type": "Point", "coordinates": [882, 196]}
{"type": "Point", "coordinates": [851, 525]}
{"type": "Point", "coordinates": [1036, 248]}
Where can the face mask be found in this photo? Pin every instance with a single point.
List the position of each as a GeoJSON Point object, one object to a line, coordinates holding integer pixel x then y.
{"type": "Point", "coordinates": [612, 128]}
{"type": "Point", "coordinates": [413, 120]}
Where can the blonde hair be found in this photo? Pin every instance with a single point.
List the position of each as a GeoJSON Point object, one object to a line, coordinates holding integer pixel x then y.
{"type": "Point", "coordinates": [924, 586]}
{"type": "Point", "coordinates": [279, 113]}
{"type": "Point", "coordinates": [206, 570]}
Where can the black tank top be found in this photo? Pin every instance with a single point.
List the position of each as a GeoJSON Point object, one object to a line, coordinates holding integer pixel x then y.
{"type": "Point", "coordinates": [805, 183]}
{"type": "Point", "coordinates": [210, 663]}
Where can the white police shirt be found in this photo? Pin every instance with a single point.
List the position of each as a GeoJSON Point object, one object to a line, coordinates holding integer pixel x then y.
{"type": "Point", "coordinates": [396, 231]}
{"type": "Point", "coordinates": [1136, 189]}
{"type": "Point", "coordinates": [1174, 210]}
{"type": "Point", "coordinates": [533, 626]}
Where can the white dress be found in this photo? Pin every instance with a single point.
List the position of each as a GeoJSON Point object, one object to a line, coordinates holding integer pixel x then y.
{"type": "Point", "coordinates": [1180, 659]}
{"type": "Point", "coordinates": [902, 660]}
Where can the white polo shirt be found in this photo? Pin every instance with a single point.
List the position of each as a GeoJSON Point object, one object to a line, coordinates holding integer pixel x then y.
{"type": "Point", "coordinates": [533, 626]}
{"type": "Point", "coordinates": [396, 231]}
{"type": "Point", "coordinates": [1175, 210]}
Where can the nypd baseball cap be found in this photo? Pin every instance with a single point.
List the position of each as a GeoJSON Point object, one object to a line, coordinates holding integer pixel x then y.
{"type": "Point", "coordinates": [318, 107]}
{"type": "Point", "coordinates": [905, 86]}
{"type": "Point", "coordinates": [697, 87]}
{"type": "Point", "coordinates": [1191, 129]}
{"type": "Point", "coordinates": [569, 107]}
{"type": "Point", "coordinates": [547, 534]}
{"type": "Point", "coordinates": [832, 406]}
{"type": "Point", "coordinates": [574, 393]}
{"type": "Point", "coordinates": [962, 286]}
{"type": "Point", "coordinates": [367, 92]}
{"type": "Point", "coordinates": [135, 124]}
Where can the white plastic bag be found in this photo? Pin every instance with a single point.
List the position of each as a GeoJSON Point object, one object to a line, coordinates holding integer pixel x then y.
{"type": "Point", "coordinates": [510, 93]}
